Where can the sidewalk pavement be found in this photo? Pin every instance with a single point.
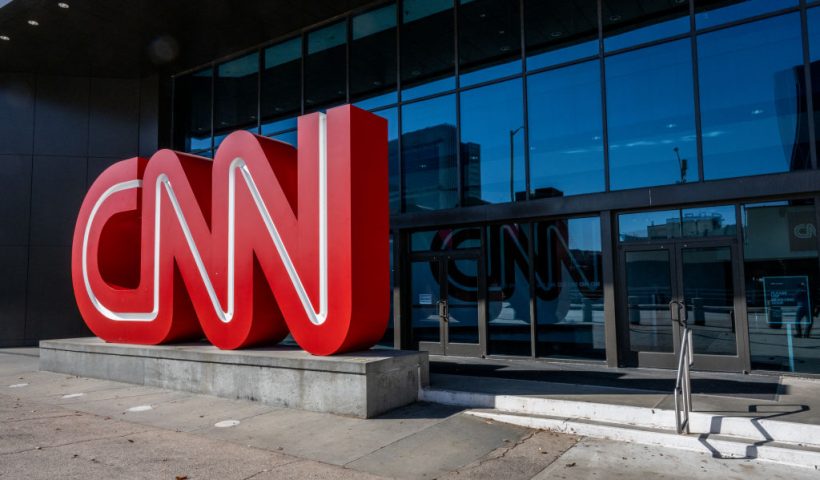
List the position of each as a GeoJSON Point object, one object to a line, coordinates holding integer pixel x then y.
{"type": "Point", "coordinates": [55, 425]}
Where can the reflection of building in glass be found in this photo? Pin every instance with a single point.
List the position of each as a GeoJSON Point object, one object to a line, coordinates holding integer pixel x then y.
{"type": "Point", "coordinates": [690, 225]}
{"type": "Point", "coordinates": [429, 165]}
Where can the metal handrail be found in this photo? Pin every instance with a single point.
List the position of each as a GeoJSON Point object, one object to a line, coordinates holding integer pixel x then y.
{"type": "Point", "coordinates": [683, 383]}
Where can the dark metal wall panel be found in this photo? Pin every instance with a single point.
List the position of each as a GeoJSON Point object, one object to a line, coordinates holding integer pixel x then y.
{"type": "Point", "coordinates": [63, 132]}
{"type": "Point", "coordinates": [15, 190]}
{"type": "Point", "coordinates": [57, 190]}
{"type": "Point", "coordinates": [13, 264]}
{"type": "Point", "coordinates": [16, 112]}
{"type": "Point", "coordinates": [114, 106]}
{"type": "Point", "coordinates": [61, 116]}
{"type": "Point", "coordinates": [52, 311]}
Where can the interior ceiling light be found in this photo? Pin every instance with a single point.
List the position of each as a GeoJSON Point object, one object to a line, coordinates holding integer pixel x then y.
{"type": "Point", "coordinates": [33, 23]}
{"type": "Point", "coordinates": [5, 38]}
{"type": "Point", "coordinates": [63, 5]}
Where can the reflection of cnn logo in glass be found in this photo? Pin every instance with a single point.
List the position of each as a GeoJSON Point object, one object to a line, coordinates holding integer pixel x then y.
{"type": "Point", "coordinates": [805, 231]}
{"type": "Point", "coordinates": [258, 243]}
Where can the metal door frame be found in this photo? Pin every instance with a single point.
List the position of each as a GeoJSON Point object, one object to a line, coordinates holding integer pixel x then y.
{"type": "Point", "coordinates": [674, 247]}
{"type": "Point", "coordinates": [443, 346]}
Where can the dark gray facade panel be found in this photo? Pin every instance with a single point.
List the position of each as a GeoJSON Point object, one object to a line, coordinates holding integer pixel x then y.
{"type": "Point", "coordinates": [17, 112]}
{"type": "Point", "coordinates": [15, 194]}
{"type": "Point", "coordinates": [13, 263]}
{"type": "Point", "coordinates": [58, 187]}
{"type": "Point", "coordinates": [52, 311]}
{"type": "Point", "coordinates": [76, 127]}
{"type": "Point", "coordinates": [61, 116]}
{"type": "Point", "coordinates": [113, 115]}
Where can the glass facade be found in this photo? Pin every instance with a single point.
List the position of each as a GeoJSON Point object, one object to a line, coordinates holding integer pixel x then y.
{"type": "Point", "coordinates": [651, 116]}
{"type": "Point", "coordinates": [642, 103]}
{"type": "Point", "coordinates": [235, 96]}
{"type": "Point", "coordinates": [756, 123]}
{"type": "Point", "coordinates": [569, 289]}
{"type": "Point", "coordinates": [492, 143]}
{"type": "Point", "coordinates": [281, 86]}
{"type": "Point", "coordinates": [326, 67]}
{"type": "Point", "coordinates": [509, 318]}
{"type": "Point", "coordinates": [373, 58]}
{"type": "Point", "coordinates": [566, 134]}
{"type": "Point", "coordinates": [782, 290]}
{"type": "Point", "coordinates": [549, 117]}
{"type": "Point", "coordinates": [429, 150]}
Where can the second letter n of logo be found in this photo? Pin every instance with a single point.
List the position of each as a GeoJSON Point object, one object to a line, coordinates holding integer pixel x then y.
{"type": "Point", "coordinates": [262, 241]}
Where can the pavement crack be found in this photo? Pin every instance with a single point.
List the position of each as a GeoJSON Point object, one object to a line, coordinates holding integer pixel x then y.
{"type": "Point", "coordinates": [77, 442]}
{"type": "Point", "coordinates": [496, 454]}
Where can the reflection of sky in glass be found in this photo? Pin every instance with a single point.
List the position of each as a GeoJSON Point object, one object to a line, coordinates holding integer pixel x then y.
{"type": "Point", "coordinates": [392, 117]}
{"type": "Point", "coordinates": [737, 10]}
{"type": "Point", "coordinates": [748, 97]}
{"type": "Point", "coordinates": [814, 35]}
{"type": "Point", "coordinates": [566, 136]}
{"type": "Point", "coordinates": [490, 117]}
{"type": "Point", "coordinates": [650, 108]}
{"type": "Point", "coordinates": [585, 234]}
{"type": "Point", "coordinates": [649, 33]}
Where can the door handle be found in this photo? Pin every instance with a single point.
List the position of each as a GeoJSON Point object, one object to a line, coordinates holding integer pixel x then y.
{"type": "Point", "coordinates": [443, 311]}
{"type": "Point", "coordinates": [675, 309]}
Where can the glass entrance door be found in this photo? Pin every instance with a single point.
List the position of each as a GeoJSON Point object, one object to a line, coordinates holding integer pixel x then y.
{"type": "Point", "coordinates": [445, 313]}
{"type": "Point", "coordinates": [704, 277]}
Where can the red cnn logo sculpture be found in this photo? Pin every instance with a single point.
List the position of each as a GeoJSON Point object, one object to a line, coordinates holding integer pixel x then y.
{"type": "Point", "coordinates": [259, 242]}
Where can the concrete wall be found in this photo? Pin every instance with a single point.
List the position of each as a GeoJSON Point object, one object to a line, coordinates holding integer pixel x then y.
{"type": "Point", "coordinates": [56, 135]}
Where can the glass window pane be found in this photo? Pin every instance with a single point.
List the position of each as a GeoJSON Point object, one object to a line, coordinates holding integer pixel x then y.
{"type": "Point", "coordinates": [709, 221]}
{"type": "Point", "coordinates": [291, 137]}
{"type": "Point", "coordinates": [388, 338]}
{"type": "Point", "coordinates": [651, 120]}
{"type": "Point", "coordinates": [566, 135]}
{"type": "Point", "coordinates": [462, 300]}
{"type": "Point", "coordinates": [427, 47]}
{"type": "Point", "coordinates": [281, 95]}
{"type": "Point", "coordinates": [429, 145]}
{"type": "Point", "coordinates": [235, 96]}
{"type": "Point", "coordinates": [446, 239]}
{"type": "Point", "coordinates": [373, 56]}
{"type": "Point", "coordinates": [657, 225]}
{"type": "Point", "coordinates": [492, 143]}
{"type": "Point", "coordinates": [192, 111]}
{"type": "Point", "coordinates": [813, 20]}
{"type": "Point", "coordinates": [325, 67]}
{"type": "Point", "coordinates": [648, 292]}
{"type": "Point", "coordinates": [489, 36]}
{"type": "Point", "coordinates": [782, 278]}
{"type": "Point", "coordinates": [714, 12]}
{"type": "Point", "coordinates": [632, 22]}
{"type": "Point", "coordinates": [425, 293]}
{"type": "Point", "coordinates": [558, 32]}
{"type": "Point", "coordinates": [708, 293]}
{"type": "Point", "coordinates": [508, 290]}
{"type": "Point", "coordinates": [756, 122]}
{"type": "Point", "coordinates": [392, 117]}
{"type": "Point", "coordinates": [569, 300]}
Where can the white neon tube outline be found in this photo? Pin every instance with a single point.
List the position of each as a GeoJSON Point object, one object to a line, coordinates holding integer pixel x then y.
{"type": "Point", "coordinates": [163, 183]}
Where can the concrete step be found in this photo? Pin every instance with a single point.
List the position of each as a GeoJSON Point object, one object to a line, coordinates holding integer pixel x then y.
{"type": "Point", "coordinates": [754, 428]}
{"type": "Point", "coordinates": [719, 446]}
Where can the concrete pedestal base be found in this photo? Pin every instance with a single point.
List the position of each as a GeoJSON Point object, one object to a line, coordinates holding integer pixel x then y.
{"type": "Point", "coordinates": [361, 384]}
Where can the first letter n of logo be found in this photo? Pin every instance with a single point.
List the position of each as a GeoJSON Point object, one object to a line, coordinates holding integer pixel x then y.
{"type": "Point", "coordinates": [261, 241]}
